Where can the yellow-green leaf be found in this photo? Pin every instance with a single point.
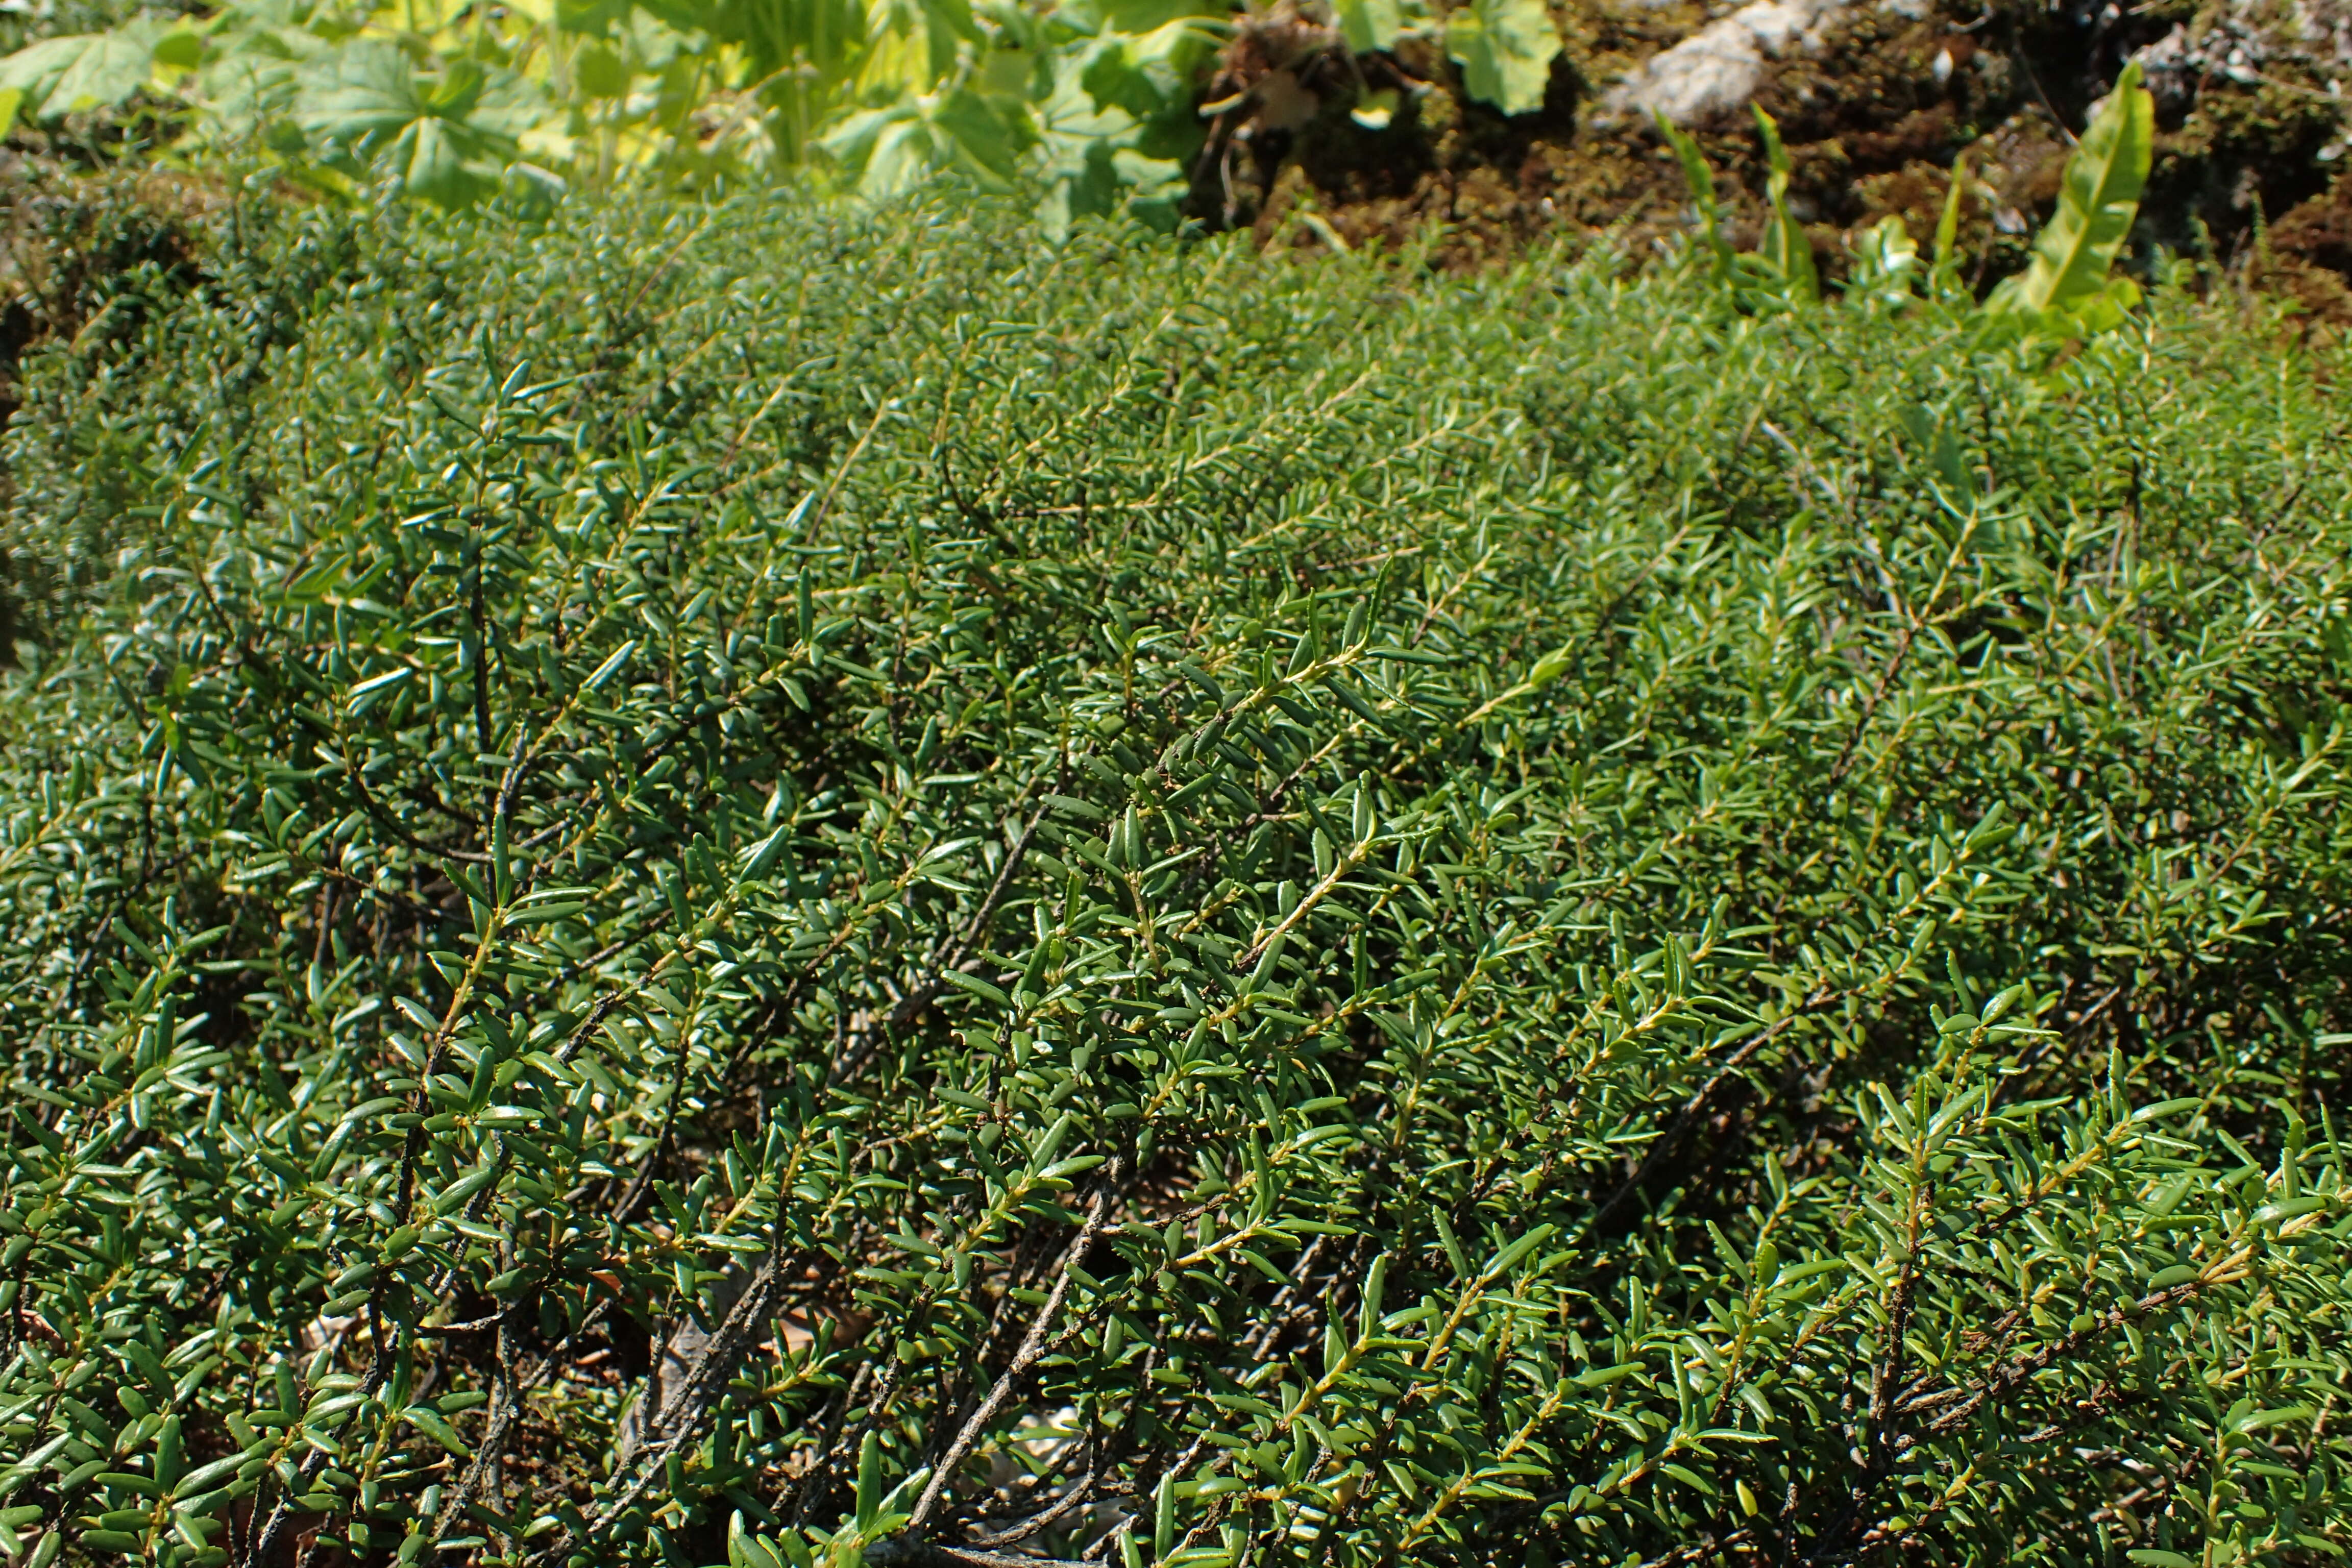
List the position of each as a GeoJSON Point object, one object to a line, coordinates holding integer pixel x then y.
{"type": "Point", "coordinates": [1505, 48]}
{"type": "Point", "coordinates": [2098, 200]}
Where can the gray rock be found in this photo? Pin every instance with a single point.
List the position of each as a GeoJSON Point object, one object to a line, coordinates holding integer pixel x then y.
{"type": "Point", "coordinates": [2304, 45]}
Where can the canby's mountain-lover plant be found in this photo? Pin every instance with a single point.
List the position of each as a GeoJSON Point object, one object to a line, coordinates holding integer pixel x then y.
{"type": "Point", "coordinates": [767, 888]}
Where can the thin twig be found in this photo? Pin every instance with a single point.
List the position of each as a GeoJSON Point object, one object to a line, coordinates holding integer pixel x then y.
{"type": "Point", "coordinates": [1032, 1346]}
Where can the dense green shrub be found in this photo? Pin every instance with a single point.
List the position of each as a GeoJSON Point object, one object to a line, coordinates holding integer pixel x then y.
{"type": "Point", "coordinates": [762, 886]}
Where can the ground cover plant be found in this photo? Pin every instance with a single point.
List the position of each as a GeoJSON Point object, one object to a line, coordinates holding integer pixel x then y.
{"type": "Point", "coordinates": [753, 885]}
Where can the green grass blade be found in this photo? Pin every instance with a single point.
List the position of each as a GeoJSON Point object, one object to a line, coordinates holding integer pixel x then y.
{"type": "Point", "coordinates": [1945, 281]}
{"type": "Point", "coordinates": [1787, 252]}
{"type": "Point", "coordinates": [1701, 180]}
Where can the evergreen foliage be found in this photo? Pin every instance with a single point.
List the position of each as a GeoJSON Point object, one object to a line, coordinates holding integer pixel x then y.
{"type": "Point", "coordinates": [762, 886]}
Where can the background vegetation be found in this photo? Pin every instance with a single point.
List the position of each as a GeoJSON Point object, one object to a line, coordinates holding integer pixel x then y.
{"type": "Point", "coordinates": [733, 882]}
{"type": "Point", "coordinates": [1315, 124]}
{"type": "Point", "coordinates": [454, 102]}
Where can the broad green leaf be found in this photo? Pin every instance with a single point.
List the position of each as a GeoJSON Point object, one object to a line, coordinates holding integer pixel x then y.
{"type": "Point", "coordinates": [1369, 25]}
{"type": "Point", "coordinates": [1009, 72]}
{"type": "Point", "coordinates": [430, 156]}
{"type": "Point", "coordinates": [102, 75]}
{"type": "Point", "coordinates": [249, 79]}
{"type": "Point", "coordinates": [1098, 158]}
{"type": "Point", "coordinates": [1147, 74]}
{"type": "Point", "coordinates": [1150, 15]}
{"type": "Point", "coordinates": [599, 71]}
{"type": "Point", "coordinates": [1505, 48]}
{"type": "Point", "coordinates": [892, 150]}
{"type": "Point", "coordinates": [447, 139]}
{"type": "Point", "coordinates": [886, 151]}
{"type": "Point", "coordinates": [181, 50]}
{"type": "Point", "coordinates": [596, 18]}
{"type": "Point", "coordinates": [913, 45]}
{"type": "Point", "coordinates": [2097, 199]}
{"type": "Point", "coordinates": [59, 77]}
{"type": "Point", "coordinates": [984, 140]}
{"type": "Point", "coordinates": [366, 89]}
